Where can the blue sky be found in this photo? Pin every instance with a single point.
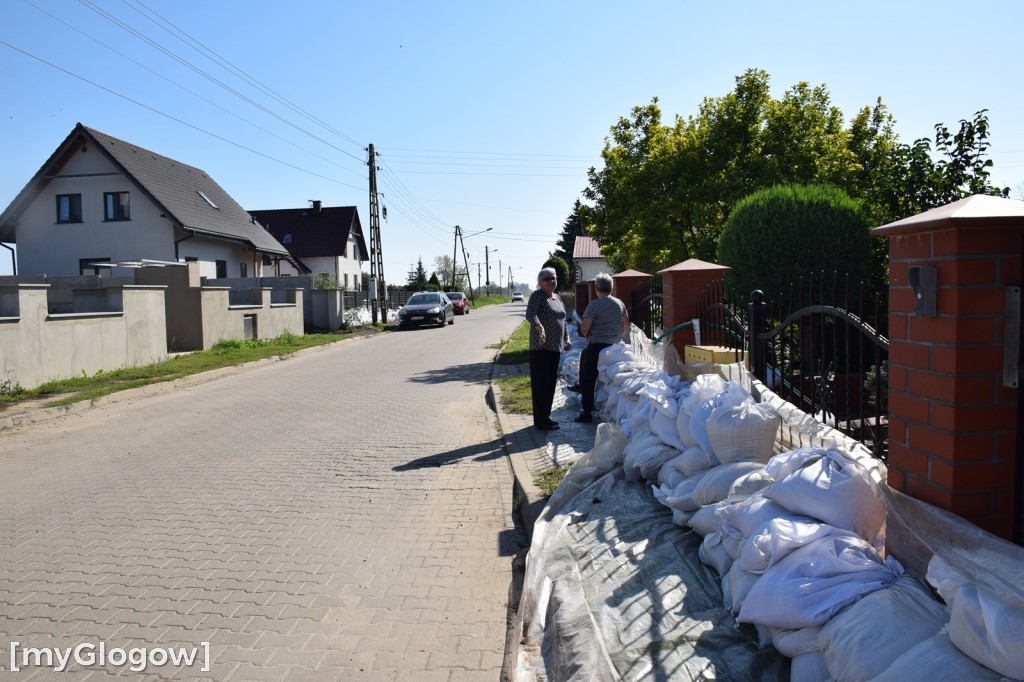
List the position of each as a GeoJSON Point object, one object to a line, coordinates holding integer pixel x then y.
{"type": "Point", "coordinates": [484, 115]}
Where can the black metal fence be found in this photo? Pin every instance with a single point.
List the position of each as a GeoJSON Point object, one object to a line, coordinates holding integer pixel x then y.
{"type": "Point", "coordinates": [645, 306]}
{"type": "Point", "coordinates": [822, 346]}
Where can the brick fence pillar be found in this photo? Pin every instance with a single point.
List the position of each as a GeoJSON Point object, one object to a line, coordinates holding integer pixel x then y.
{"type": "Point", "coordinates": [682, 290]}
{"type": "Point", "coordinates": [952, 422]}
{"type": "Point", "coordinates": [582, 290]}
{"type": "Point", "coordinates": [625, 284]}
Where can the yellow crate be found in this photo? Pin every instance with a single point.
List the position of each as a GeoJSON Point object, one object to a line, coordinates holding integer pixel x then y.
{"type": "Point", "coordinates": [694, 355]}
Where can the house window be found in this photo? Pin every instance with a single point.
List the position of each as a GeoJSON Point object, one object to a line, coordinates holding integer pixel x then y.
{"type": "Point", "coordinates": [69, 208]}
{"type": "Point", "coordinates": [86, 266]}
{"type": "Point", "coordinates": [346, 281]}
{"type": "Point", "coordinates": [115, 206]}
{"type": "Point", "coordinates": [243, 270]}
{"type": "Point", "coordinates": [222, 269]}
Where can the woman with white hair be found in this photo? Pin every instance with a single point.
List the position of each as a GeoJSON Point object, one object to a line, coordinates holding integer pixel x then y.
{"type": "Point", "coordinates": [548, 335]}
{"type": "Point", "coordinates": [605, 322]}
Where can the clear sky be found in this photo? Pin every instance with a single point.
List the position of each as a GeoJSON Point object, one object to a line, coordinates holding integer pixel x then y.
{"type": "Point", "coordinates": [484, 115]}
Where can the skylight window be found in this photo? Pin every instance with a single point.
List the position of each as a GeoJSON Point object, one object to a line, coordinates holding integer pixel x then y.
{"type": "Point", "coordinates": [208, 199]}
{"type": "Point", "coordinates": [287, 239]}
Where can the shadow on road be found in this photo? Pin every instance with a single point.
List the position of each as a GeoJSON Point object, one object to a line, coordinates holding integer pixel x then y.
{"type": "Point", "coordinates": [480, 452]}
{"type": "Point", "coordinates": [473, 373]}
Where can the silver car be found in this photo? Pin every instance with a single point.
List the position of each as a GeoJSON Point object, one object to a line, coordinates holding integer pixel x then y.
{"type": "Point", "coordinates": [426, 307]}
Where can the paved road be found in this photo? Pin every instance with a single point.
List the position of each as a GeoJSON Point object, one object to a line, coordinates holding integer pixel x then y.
{"type": "Point", "coordinates": [343, 515]}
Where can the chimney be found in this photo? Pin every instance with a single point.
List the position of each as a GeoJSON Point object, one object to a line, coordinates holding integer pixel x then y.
{"type": "Point", "coordinates": [316, 205]}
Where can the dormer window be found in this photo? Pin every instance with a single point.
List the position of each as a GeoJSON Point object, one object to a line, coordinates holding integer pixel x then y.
{"type": "Point", "coordinates": [208, 199]}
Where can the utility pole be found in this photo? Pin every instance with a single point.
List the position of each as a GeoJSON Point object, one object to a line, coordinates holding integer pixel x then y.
{"type": "Point", "coordinates": [487, 268]}
{"type": "Point", "coordinates": [455, 246]}
{"type": "Point", "coordinates": [510, 280]}
{"type": "Point", "coordinates": [478, 274]}
{"type": "Point", "coordinates": [377, 284]}
{"type": "Point", "coordinates": [499, 275]}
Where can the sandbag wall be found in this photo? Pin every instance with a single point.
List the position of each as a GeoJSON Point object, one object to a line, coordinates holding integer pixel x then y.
{"type": "Point", "coordinates": [797, 535]}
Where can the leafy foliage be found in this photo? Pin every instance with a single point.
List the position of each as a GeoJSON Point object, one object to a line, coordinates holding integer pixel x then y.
{"type": "Point", "coordinates": [665, 191]}
{"type": "Point", "coordinates": [416, 279]}
{"type": "Point", "coordinates": [780, 233]}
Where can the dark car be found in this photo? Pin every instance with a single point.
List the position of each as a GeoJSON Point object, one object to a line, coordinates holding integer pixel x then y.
{"type": "Point", "coordinates": [459, 302]}
{"type": "Point", "coordinates": [426, 307]}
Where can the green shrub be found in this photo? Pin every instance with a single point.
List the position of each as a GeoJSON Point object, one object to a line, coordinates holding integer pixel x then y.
{"type": "Point", "coordinates": [776, 235]}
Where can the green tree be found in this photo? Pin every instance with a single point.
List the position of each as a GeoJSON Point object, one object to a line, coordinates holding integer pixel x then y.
{"type": "Point", "coordinates": [416, 279]}
{"type": "Point", "coordinates": [572, 228]}
{"type": "Point", "coordinates": [777, 234]}
{"type": "Point", "coordinates": [561, 270]}
{"type": "Point", "coordinates": [434, 283]}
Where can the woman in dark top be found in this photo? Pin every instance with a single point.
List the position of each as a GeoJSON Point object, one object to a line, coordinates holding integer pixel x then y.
{"type": "Point", "coordinates": [548, 335]}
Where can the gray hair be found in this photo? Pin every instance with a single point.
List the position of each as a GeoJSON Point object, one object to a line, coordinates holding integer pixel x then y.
{"type": "Point", "coordinates": [546, 271]}
{"type": "Point", "coordinates": [603, 283]}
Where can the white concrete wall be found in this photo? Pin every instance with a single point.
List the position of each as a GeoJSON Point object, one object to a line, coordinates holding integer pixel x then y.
{"type": "Point", "coordinates": [589, 269]}
{"type": "Point", "coordinates": [36, 347]}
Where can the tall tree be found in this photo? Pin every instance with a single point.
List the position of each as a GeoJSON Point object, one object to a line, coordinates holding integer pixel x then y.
{"type": "Point", "coordinates": [416, 279]}
{"type": "Point", "coordinates": [572, 228]}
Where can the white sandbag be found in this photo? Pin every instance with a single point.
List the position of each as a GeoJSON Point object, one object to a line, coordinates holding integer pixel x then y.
{"type": "Point", "coordinates": [809, 667]}
{"type": "Point", "coordinates": [680, 518]}
{"type": "Point", "coordinates": [831, 488]}
{"type": "Point", "coordinates": [936, 659]}
{"type": "Point", "coordinates": [750, 483]}
{"type": "Point", "coordinates": [746, 431]}
{"type": "Point", "coordinates": [816, 581]}
{"type": "Point", "coordinates": [668, 476]}
{"type": "Point", "coordinates": [698, 428]}
{"type": "Point", "coordinates": [691, 462]}
{"type": "Point", "coordinates": [790, 643]}
{"type": "Point", "coordinates": [750, 515]}
{"type": "Point", "coordinates": [736, 584]}
{"type": "Point", "coordinates": [645, 453]}
{"type": "Point", "coordinates": [681, 497]}
{"type": "Point", "coordinates": [715, 485]}
{"type": "Point", "coordinates": [988, 629]}
{"type": "Point", "coordinates": [704, 387]}
{"type": "Point", "coordinates": [706, 520]}
{"type": "Point", "coordinates": [865, 638]}
{"type": "Point", "coordinates": [775, 541]}
{"type": "Point", "coordinates": [713, 554]}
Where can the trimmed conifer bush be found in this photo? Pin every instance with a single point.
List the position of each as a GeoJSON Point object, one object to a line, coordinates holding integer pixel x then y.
{"type": "Point", "coordinates": [776, 235]}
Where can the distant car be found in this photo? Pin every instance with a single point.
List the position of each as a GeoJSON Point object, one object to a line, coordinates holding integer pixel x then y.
{"type": "Point", "coordinates": [459, 302]}
{"type": "Point", "coordinates": [517, 296]}
{"type": "Point", "coordinates": [426, 307]}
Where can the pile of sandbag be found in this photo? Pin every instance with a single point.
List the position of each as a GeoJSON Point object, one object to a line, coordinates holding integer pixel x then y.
{"type": "Point", "coordinates": [797, 538]}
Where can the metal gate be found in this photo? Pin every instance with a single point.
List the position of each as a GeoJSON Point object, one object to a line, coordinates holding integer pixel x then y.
{"type": "Point", "coordinates": [645, 306]}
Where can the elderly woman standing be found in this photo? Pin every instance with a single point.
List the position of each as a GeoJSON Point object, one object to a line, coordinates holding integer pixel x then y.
{"type": "Point", "coordinates": [548, 335]}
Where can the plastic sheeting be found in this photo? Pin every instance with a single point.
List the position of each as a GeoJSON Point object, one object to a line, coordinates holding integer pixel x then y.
{"type": "Point", "coordinates": [614, 590]}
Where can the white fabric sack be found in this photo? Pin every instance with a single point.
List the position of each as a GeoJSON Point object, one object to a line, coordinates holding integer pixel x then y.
{"type": "Point", "coordinates": [749, 483]}
{"type": "Point", "coordinates": [865, 638]}
{"type": "Point", "coordinates": [775, 541]}
{"type": "Point", "coordinates": [706, 520]}
{"type": "Point", "coordinates": [704, 387]}
{"type": "Point", "coordinates": [750, 515]}
{"type": "Point", "coordinates": [789, 643]}
{"type": "Point", "coordinates": [988, 629]}
{"type": "Point", "coordinates": [743, 432]}
{"type": "Point", "coordinates": [681, 497]}
{"type": "Point", "coordinates": [714, 486]}
{"type": "Point", "coordinates": [809, 667]}
{"type": "Point", "coordinates": [816, 581]}
{"type": "Point", "coordinates": [937, 659]}
{"type": "Point", "coordinates": [713, 554]}
{"type": "Point", "coordinates": [645, 453]}
{"type": "Point", "coordinates": [832, 489]}
{"type": "Point", "coordinates": [680, 518]}
{"type": "Point", "coordinates": [691, 462]}
{"type": "Point", "coordinates": [736, 584]}
{"type": "Point", "coordinates": [668, 476]}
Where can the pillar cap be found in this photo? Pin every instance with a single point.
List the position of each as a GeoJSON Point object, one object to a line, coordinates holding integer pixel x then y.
{"type": "Point", "coordinates": [692, 264]}
{"type": "Point", "coordinates": [979, 210]}
{"type": "Point", "coordinates": [630, 273]}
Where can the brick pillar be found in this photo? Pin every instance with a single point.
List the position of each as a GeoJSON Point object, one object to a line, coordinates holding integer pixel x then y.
{"type": "Point", "coordinates": [682, 289]}
{"type": "Point", "coordinates": [952, 422]}
{"type": "Point", "coordinates": [625, 284]}
{"type": "Point", "coordinates": [582, 290]}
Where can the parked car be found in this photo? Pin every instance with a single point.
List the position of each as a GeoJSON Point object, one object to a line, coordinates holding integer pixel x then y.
{"type": "Point", "coordinates": [459, 302]}
{"type": "Point", "coordinates": [426, 307]}
{"type": "Point", "coordinates": [517, 296]}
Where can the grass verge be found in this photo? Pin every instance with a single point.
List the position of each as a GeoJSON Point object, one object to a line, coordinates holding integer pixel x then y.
{"type": "Point", "coordinates": [516, 350]}
{"type": "Point", "coordinates": [549, 479]}
{"type": "Point", "coordinates": [516, 396]}
{"type": "Point", "coordinates": [225, 354]}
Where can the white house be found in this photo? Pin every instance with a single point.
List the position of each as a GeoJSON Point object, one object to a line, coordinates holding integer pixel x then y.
{"type": "Point", "coordinates": [98, 200]}
{"type": "Point", "coordinates": [587, 258]}
{"type": "Point", "coordinates": [323, 239]}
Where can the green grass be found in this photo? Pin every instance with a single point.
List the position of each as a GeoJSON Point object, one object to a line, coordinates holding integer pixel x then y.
{"type": "Point", "coordinates": [493, 299]}
{"type": "Point", "coordinates": [517, 350]}
{"type": "Point", "coordinates": [549, 479]}
{"type": "Point", "coordinates": [516, 396]}
{"type": "Point", "coordinates": [225, 354]}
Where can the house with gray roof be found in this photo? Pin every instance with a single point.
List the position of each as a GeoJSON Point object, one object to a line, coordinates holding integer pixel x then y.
{"type": "Point", "coordinates": [323, 240]}
{"type": "Point", "coordinates": [99, 200]}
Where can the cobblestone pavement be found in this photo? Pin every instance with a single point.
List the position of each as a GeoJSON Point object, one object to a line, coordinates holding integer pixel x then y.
{"type": "Point", "coordinates": [341, 515]}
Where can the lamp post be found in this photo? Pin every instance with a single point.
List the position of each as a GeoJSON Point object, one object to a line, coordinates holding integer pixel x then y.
{"type": "Point", "coordinates": [487, 267]}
